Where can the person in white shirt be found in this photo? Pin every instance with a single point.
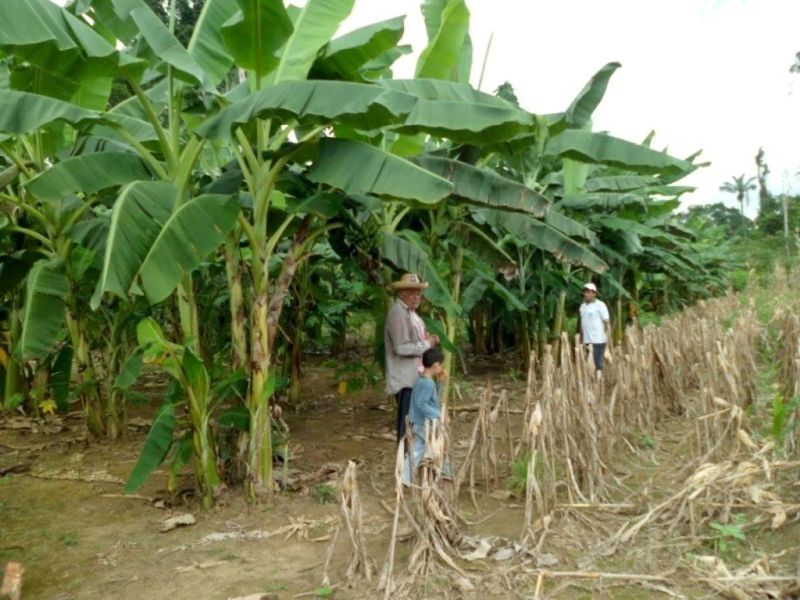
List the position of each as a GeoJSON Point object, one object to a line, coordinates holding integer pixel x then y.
{"type": "Point", "coordinates": [594, 320]}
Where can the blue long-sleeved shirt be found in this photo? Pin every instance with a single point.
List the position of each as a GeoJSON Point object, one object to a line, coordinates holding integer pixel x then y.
{"type": "Point", "coordinates": [424, 403]}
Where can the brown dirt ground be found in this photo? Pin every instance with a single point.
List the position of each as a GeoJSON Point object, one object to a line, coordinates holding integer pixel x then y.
{"type": "Point", "coordinates": [82, 539]}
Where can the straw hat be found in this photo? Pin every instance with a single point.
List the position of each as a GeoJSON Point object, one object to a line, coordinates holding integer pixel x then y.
{"type": "Point", "coordinates": [409, 281]}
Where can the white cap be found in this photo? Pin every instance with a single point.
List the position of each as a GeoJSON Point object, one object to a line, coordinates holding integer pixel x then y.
{"type": "Point", "coordinates": [590, 286]}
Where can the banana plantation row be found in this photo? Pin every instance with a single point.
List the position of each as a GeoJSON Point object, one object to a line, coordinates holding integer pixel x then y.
{"type": "Point", "coordinates": [247, 191]}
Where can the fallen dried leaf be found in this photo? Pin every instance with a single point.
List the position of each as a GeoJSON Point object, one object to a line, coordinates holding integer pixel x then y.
{"type": "Point", "coordinates": [501, 494]}
{"type": "Point", "coordinates": [504, 554]}
{"type": "Point", "coordinates": [464, 584]}
{"type": "Point", "coordinates": [481, 551]}
{"type": "Point", "coordinates": [177, 521]}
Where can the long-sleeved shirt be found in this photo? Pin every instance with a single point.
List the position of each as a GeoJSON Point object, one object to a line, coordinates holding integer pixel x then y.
{"type": "Point", "coordinates": [405, 344]}
{"type": "Point", "coordinates": [424, 404]}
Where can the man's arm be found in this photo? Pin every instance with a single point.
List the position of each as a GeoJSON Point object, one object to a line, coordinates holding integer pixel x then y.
{"type": "Point", "coordinates": [398, 326]}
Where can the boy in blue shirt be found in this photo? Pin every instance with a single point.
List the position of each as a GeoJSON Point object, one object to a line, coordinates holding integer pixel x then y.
{"type": "Point", "coordinates": [425, 405]}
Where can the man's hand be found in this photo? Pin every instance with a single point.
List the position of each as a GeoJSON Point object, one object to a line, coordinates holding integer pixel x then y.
{"type": "Point", "coordinates": [443, 376]}
{"type": "Point", "coordinates": [433, 339]}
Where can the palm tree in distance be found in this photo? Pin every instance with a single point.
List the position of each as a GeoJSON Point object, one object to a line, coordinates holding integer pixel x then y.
{"type": "Point", "coordinates": [740, 187]}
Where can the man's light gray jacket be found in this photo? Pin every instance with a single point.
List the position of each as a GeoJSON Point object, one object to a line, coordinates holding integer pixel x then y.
{"type": "Point", "coordinates": [404, 347]}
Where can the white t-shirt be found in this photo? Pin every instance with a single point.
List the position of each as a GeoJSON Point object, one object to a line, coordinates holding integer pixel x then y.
{"type": "Point", "coordinates": [594, 316]}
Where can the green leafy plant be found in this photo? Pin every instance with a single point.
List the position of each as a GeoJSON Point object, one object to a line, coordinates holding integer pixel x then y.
{"type": "Point", "coordinates": [727, 536]}
{"type": "Point", "coordinates": [355, 376]}
{"type": "Point", "coordinates": [324, 592]}
{"type": "Point", "coordinates": [519, 473]}
{"type": "Point", "coordinates": [648, 441]}
{"type": "Point", "coordinates": [324, 493]}
{"type": "Point", "coordinates": [330, 363]}
{"type": "Point", "coordinates": [782, 421]}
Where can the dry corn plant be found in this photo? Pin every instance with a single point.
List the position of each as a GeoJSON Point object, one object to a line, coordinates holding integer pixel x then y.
{"type": "Point", "coordinates": [359, 564]}
{"type": "Point", "coordinates": [786, 416]}
{"type": "Point", "coordinates": [427, 505]}
{"type": "Point", "coordinates": [658, 373]}
{"type": "Point", "coordinates": [482, 451]}
{"type": "Point", "coordinates": [712, 493]}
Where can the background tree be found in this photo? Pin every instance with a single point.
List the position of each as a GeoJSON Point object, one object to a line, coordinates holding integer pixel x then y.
{"type": "Point", "coordinates": [740, 187]}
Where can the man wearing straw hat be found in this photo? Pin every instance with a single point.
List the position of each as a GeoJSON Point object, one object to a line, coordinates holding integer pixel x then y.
{"type": "Point", "coordinates": [406, 341]}
{"type": "Point", "coordinates": [594, 319]}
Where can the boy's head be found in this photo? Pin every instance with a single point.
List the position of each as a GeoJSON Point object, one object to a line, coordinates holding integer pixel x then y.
{"type": "Point", "coordinates": [433, 360]}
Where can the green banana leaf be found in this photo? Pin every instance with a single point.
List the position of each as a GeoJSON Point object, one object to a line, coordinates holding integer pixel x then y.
{"type": "Point", "coordinates": [192, 232]}
{"type": "Point", "coordinates": [403, 254]}
{"type": "Point", "coordinates": [442, 57]}
{"type": "Point", "coordinates": [155, 241]}
{"type": "Point", "coordinates": [358, 105]}
{"type": "Point", "coordinates": [86, 93]}
{"type": "Point", "coordinates": [618, 224]}
{"type": "Point", "coordinates": [569, 226]}
{"type": "Point", "coordinates": [544, 237]}
{"type": "Point", "coordinates": [255, 33]}
{"type": "Point", "coordinates": [579, 113]}
{"type": "Point", "coordinates": [166, 46]}
{"type": "Point", "coordinates": [42, 34]}
{"type": "Point", "coordinates": [130, 371]}
{"type": "Point", "coordinates": [24, 113]}
{"type": "Point", "coordinates": [602, 148]}
{"type": "Point", "coordinates": [44, 311]}
{"type": "Point", "coordinates": [346, 55]}
{"type": "Point", "coordinates": [60, 378]}
{"type": "Point", "coordinates": [206, 45]}
{"type": "Point", "coordinates": [315, 25]}
{"type": "Point", "coordinates": [449, 110]}
{"type": "Point", "coordinates": [473, 293]}
{"type": "Point", "coordinates": [619, 183]}
{"type": "Point", "coordinates": [605, 200]}
{"type": "Point", "coordinates": [156, 446]}
{"type": "Point", "coordinates": [88, 173]}
{"type": "Point", "coordinates": [460, 112]}
{"type": "Point", "coordinates": [484, 187]}
{"type": "Point", "coordinates": [381, 67]}
{"type": "Point", "coordinates": [378, 173]}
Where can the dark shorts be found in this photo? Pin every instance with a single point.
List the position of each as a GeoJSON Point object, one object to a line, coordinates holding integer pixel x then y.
{"type": "Point", "coordinates": [403, 406]}
{"type": "Point", "coordinates": [599, 354]}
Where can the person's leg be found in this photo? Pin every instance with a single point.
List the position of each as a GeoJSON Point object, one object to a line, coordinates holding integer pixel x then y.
{"type": "Point", "coordinates": [599, 351]}
{"type": "Point", "coordinates": [403, 405]}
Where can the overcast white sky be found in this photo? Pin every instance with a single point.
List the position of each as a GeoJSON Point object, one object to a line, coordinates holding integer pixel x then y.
{"type": "Point", "coordinates": [704, 74]}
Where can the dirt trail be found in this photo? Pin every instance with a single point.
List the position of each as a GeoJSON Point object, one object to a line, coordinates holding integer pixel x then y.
{"type": "Point", "coordinates": [81, 539]}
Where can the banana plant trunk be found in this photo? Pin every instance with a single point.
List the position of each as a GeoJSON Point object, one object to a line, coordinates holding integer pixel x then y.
{"type": "Point", "coordinates": [234, 272]}
{"type": "Point", "coordinates": [205, 452]}
{"type": "Point", "coordinates": [14, 380]}
{"type": "Point", "coordinates": [266, 314]}
{"type": "Point", "coordinates": [558, 322]}
{"type": "Point", "coordinates": [87, 384]}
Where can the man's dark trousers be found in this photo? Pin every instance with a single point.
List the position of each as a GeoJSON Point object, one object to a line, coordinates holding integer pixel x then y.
{"type": "Point", "coordinates": [403, 406]}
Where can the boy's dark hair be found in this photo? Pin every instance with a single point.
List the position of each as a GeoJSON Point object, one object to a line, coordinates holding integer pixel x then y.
{"type": "Point", "coordinates": [431, 356]}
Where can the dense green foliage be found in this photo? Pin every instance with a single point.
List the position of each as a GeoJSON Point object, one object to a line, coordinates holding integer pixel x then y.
{"type": "Point", "coordinates": [214, 201]}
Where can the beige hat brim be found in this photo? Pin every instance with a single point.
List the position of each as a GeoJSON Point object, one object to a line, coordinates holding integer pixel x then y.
{"type": "Point", "coordinates": [403, 285]}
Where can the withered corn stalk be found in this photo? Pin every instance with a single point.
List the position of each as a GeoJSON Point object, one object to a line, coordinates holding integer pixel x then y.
{"type": "Point", "coordinates": [482, 452]}
{"type": "Point", "coordinates": [699, 365]}
{"type": "Point", "coordinates": [431, 514]}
